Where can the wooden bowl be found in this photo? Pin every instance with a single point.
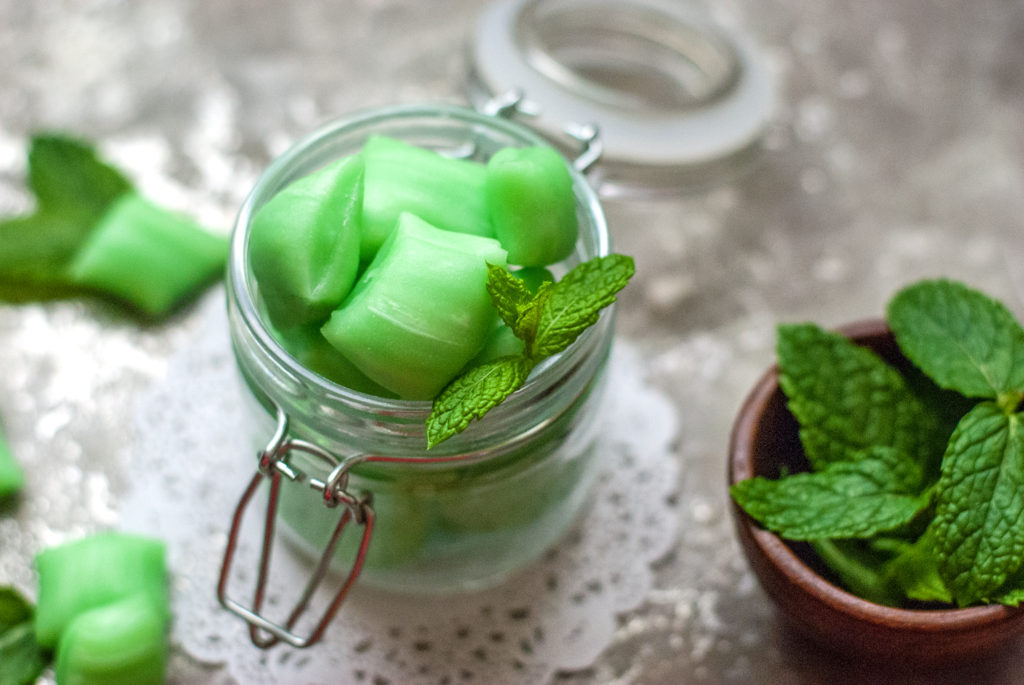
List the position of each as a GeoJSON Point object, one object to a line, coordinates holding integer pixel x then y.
{"type": "Point", "coordinates": [764, 438]}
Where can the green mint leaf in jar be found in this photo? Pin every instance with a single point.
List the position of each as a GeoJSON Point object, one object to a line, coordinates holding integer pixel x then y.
{"type": "Point", "coordinates": [575, 302]}
{"type": "Point", "coordinates": [473, 394]}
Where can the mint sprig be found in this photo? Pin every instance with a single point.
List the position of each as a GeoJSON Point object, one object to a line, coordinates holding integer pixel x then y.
{"type": "Point", "coordinates": [846, 399]}
{"type": "Point", "coordinates": [547, 321]}
{"type": "Point", "coordinates": [878, 491]}
{"type": "Point", "coordinates": [22, 660]}
{"type": "Point", "coordinates": [73, 189]}
{"type": "Point", "coordinates": [965, 543]}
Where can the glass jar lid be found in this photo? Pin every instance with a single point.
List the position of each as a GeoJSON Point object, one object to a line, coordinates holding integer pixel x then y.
{"type": "Point", "coordinates": [673, 95]}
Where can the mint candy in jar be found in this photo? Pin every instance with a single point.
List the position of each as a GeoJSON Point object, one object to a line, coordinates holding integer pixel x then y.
{"type": "Point", "coordinates": [429, 414]}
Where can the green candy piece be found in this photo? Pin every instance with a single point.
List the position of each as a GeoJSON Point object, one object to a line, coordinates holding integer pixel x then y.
{"type": "Point", "coordinates": [121, 643]}
{"type": "Point", "coordinates": [502, 342]}
{"type": "Point", "coordinates": [309, 347]}
{"type": "Point", "coordinates": [534, 277]}
{"type": "Point", "coordinates": [420, 311]}
{"type": "Point", "coordinates": [12, 478]}
{"type": "Point", "coordinates": [147, 256]}
{"type": "Point", "coordinates": [532, 206]}
{"type": "Point", "coordinates": [94, 571]}
{"type": "Point", "coordinates": [445, 192]}
{"type": "Point", "coordinates": [304, 244]}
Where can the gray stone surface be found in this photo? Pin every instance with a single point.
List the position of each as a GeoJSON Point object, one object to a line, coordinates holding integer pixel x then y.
{"type": "Point", "coordinates": [896, 152]}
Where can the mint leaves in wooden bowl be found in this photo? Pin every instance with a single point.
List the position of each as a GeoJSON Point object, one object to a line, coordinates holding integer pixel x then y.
{"type": "Point", "coordinates": [878, 478]}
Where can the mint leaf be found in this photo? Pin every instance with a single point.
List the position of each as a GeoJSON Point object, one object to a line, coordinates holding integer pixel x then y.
{"type": "Point", "coordinates": [979, 517]}
{"type": "Point", "coordinates": [508, 294]}
{"type": "Point", "coordinates": [915, 570]}
{"type": "Point", "coordinates": [547, 322]}
{"type": "Point", "coordinates": [961, 338]}
{"type": "Point", "coordinates": [858, 569]}
{"type": "Point", "coordinates": [847, 399]}
{"type": "Point", "coordinates": [473, 394]}
{"type": "Point", "coordinates": [576, 301]}
{"type": "Point", "coordinates": [73, 190]}
{"type": "Point", "coordinates": [1012, 593]}
{"type": "Point", "coordinates": [529, 319]}
{"type": "Point", "coordinates": [12, 476]}
{"type": "Point", "coordinates": [22, 660]}
{"type": "Point", "coordinates": [14, 609]}
{"type": "Point", "coordinates": [68, 177]}
{"type": "Point", "coordinates": [857, 499]}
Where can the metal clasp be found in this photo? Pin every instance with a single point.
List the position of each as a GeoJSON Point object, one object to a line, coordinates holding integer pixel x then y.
{"type": "Point", "coordinates": [514, 102]}
{"type": "Point", "coordinates": [273, 464]}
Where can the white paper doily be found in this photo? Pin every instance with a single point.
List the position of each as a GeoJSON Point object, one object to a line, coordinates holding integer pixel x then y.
{"type": "Point", "coordinates": [190, 462]}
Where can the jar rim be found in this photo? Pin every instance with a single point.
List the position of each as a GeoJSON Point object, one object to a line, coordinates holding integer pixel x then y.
{"type": "Point", "coordinates": [240, 281]}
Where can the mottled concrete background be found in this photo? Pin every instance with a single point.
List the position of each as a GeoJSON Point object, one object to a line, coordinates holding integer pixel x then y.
{"type": "Point", "coordinates": [896, 152]}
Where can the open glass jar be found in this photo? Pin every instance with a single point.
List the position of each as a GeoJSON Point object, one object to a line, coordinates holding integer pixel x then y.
{"type": "Point", "coordinates": [475, 508]}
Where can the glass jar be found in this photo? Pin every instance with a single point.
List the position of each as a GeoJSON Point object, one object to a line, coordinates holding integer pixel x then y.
{"type": "Point", "coordinates": [484, 503]}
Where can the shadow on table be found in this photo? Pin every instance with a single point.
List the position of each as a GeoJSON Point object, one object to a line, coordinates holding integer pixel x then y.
{"type": "Point", "coordinates": [818, 665]}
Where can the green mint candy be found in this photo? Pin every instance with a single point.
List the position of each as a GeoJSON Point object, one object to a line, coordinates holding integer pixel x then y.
{"type": "Point", "coordinates": [147, 256]}
{"type": "Point", "coordinates": [420, 311]}
{"type": "Point", "coordinates": [304, 244]}
{"type": "Point", "coordinates": [12, 478]}
{"type": "Point", "coordinates": [120, 643]}
{"type": "Point", "coordinates": [531, 205]}
{"type": "Point", "coordinates": [445, 192]}
{"type": "Point", "coordinates": [94, 571]}
{"type": "Point", "coordinates": [309, 347]}
{"type": "Point", "coordinates": [502, 342]}
{"type": "Point", "coordinates": [533, 277]}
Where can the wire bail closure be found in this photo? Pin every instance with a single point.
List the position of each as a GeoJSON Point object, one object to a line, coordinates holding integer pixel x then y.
{"type": "Point", "coordinates": [514, 102]}
{"type": "Point", "coordinates": [273, 464]}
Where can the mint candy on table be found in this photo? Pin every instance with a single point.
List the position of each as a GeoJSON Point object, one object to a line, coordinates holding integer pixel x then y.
{"type": "Point", "coordinates": [421, 309]}
{"type": "Point", "coordinates": [532, 206]}
{"type": "Point", "coordinates": [311, 349]}
{"type": "Point", "coordinates": [304, 243]}
{"type": "Point", "coordinates": [445, 192]}
{"type": "Point", "coordinates": [93, 571]}
{"type": "Point", "coordinates": [147, 256]}
{"type": "Point", "coordinates": [123, 642]}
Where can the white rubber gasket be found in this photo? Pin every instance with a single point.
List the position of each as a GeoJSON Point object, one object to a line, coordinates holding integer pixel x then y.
{"type": "Point", "coordinates": [673, 138]}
